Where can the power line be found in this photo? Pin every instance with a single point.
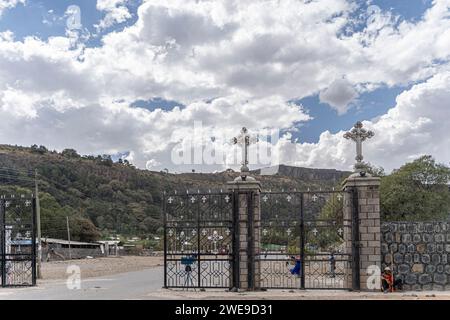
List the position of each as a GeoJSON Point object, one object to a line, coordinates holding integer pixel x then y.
{"type": "Point", "coordinates": [30, 171]}
{"type": "Point", "coordinates": [15, 177]}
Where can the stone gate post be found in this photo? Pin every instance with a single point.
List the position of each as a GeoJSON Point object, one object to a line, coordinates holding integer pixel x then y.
{"type": "Point", "coordinates": [247, 224]}
{"type": "Point", "coordinates": [363, 239]}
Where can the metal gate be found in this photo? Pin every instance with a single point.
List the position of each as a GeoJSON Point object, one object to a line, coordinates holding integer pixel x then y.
{"type": "Point", "coordinates": [17, 241]}
{"type": "Point", "coordinates": [302, 241]}
{"type": "Point", "coordinates": [198, 240]}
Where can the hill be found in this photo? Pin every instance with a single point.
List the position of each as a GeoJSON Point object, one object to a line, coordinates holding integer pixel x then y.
{"type": "Point", "coordinates": [102, 197]}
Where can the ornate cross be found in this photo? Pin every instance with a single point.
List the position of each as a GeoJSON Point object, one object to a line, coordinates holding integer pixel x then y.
{"type": "Point", "coordinates": [215, 237]}
{"type": "Point", "coordinates": [359, 134]}
{"type": "Point", "coordinates": [244, 140]}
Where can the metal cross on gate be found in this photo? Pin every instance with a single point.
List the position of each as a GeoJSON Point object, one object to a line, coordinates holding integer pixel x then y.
{"type": "Point", "coordinates": [244, 140]}
{"type": "Point", "coordinates": [359, 134]}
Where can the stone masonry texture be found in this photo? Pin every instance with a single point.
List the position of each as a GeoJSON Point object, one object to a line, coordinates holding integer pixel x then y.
{"type": "Point", "coordinates": [418, 253]}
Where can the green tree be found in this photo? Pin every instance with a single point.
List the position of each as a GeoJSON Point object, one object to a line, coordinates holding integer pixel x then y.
{"type": "Point", "coordinates": [82, 229]}
{"type": "Point", "coordinates": [53, 217]}
{"type": "Point", "coordinates": [373, 170]}
{"type": "Point", "coordinates": [70, 153]}
{"type": "Point", "coordinates": [418, 190]}
{"type": "Point", "coordinates": [332, 212]}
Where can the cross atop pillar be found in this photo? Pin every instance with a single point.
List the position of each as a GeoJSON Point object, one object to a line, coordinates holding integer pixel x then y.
{"type": "Point", "coordinates": [359, 134]}
{"type": "Point", "coordinates": [244, 140]}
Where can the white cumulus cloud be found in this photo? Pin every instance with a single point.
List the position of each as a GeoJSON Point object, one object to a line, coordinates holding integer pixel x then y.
{"type": "Point", "coordinates": [8, 4]}
{"type": "Point", "coordinates": [116, 11]}
{"type": "Point", "coordinates": [416, 125]}
{"type": "Point", "coordinates": [230, 63]}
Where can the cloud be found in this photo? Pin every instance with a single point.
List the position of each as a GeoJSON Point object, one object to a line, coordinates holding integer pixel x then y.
{"type": "Point", "coordinates": [116, 11]}
{"type": "Point", "coordinates": [8, 4]}
{"type": "Point", "coordinates": [247, 59]}
{"type": "Point", "coordinates": [194, 50]}
{"type": "Point", "coordinates": [338, 95]}
{"type": "Point", "coordinates": [416, 125]}
{"type": "Point", "coordinates": [148, 135]}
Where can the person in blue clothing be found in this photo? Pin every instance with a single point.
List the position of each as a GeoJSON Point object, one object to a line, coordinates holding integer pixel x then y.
{"type": "Point", "coordinates": [296, 270]}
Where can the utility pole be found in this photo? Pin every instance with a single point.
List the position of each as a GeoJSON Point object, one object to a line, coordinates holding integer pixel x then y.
{"type": "Point", "coordinates": [68, 237]}
{"type": "Point", "coordinates": [38, 224]}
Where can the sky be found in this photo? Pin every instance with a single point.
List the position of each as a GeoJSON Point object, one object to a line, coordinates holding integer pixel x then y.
{"type": "Point", "coordinates": [137, 79]}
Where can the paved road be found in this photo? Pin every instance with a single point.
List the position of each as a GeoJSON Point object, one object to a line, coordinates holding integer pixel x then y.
{"type": "Point", "coordinates": [130, 285]}
{"type": "Point", "coordinates": [146, 284]}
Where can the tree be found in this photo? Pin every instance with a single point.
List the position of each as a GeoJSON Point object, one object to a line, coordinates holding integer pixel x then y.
{"type": "Point", "coordinates": [40, 150]}
{"type": "Point", "coordinates": [374, 170]}
{"type": "Point", "coordinates": [82, 229]}
{"type": "Point", "coordinates": [53, 217]}
{"type": "Point", "coordinates": [418, 190]}
{"type": "Point", "coordinates": [106, 160]}
{"type": "Point", "coordinates": [70, 153]}
{"type": "Point", "coordinates": [333, 211]}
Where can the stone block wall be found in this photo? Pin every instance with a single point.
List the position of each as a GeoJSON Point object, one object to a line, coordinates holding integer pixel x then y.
{"type": "Point", "coordinates": [418, 253]}
{"type": "Point", "coordinates": [249, 233]}
{"type": "Point", "coordinates": [368, 238]}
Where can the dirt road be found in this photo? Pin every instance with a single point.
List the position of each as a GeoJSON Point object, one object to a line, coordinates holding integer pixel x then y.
{"type": "Point", "coordinates": [99, 267]}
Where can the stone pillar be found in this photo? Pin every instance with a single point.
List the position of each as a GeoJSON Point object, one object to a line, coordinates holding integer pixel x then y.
{"type": "Point", "coordinates": [368, 233]}
{"type": "Point", "coordinates": [248, 232]}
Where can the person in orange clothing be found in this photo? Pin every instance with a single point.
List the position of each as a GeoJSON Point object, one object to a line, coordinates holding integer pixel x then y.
{"type": "Point", "coordinates": [388, 281]}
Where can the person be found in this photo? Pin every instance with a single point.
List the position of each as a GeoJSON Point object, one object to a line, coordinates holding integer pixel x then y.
{"type": "Point", "coordinates": [297, 265]}
{"type": "Point", "coordinates": [333, 265]}
{"type": "Point", "coordinates": [388, 281]}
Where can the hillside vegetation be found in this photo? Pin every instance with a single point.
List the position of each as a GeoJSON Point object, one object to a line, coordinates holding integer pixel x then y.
{"type": "Point", "coordinates": [103, 198]}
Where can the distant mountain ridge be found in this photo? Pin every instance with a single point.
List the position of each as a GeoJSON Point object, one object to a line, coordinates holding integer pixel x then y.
{"type": "Point", "coordinates": [307, 174]}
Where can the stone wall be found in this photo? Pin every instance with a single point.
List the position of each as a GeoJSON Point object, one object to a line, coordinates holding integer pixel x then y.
{"type": "Point", "coordinates": [248, 233]}
{"type": "Point", "coordinates": [418, 252]}
{"type": "Point", "coordinates": [368, 230]}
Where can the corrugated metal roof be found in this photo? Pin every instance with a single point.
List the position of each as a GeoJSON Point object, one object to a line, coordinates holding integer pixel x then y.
{"type": "Point", "coordinates": [61, 241]}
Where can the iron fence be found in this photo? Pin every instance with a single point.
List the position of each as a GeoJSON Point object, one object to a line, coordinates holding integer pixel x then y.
{"type": "Point", "coordinates": [17, 241]}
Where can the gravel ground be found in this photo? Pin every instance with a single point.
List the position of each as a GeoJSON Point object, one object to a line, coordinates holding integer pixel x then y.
{"type": "Point", "coordinates": [99, 266]}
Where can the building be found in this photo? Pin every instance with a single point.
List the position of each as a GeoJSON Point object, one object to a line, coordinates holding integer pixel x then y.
{"type": "Point", "coordinates": [58, 249]}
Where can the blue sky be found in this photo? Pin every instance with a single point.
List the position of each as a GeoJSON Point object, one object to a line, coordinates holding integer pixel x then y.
{"type": "Point", "coordinates": [369, 105]}
{"type": "Point", "coordinates": [45, 18]}
{"type": "Point", "coordinates": [173, 55]}
{"type": "Point", "coordinates": [407, 9]}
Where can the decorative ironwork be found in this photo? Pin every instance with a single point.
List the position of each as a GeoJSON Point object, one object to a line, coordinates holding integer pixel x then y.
{"type": "Point", "coordinates": [244, 140]}
{"type": "Point", "coordinates": [17, 241]}
{"type": "Point", "coordinates": [358, 134]}
{"type": "Point", "coordinates": [198, 242]}
{"type": "Point", "coordinates": [302, 240]}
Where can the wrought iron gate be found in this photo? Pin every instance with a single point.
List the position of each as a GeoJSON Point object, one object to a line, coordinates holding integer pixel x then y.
{"type": "Point", "coordinates": [302, 241]}
{"type": "Point", "coordinates": [198, 240]}
{"type": "Point", "coordinates": [17, 241]}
